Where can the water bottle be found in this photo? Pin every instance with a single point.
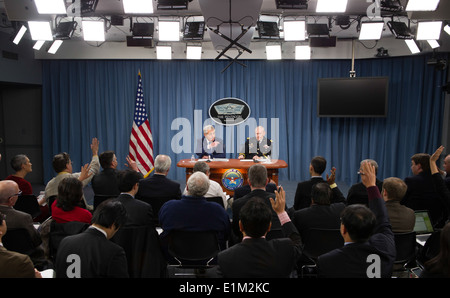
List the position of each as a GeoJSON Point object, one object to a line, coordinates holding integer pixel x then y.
{"type": "Point", "coordinates": [192, 158]}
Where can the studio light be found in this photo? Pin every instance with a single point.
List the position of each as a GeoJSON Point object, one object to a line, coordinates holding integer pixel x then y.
{"type": "Point", "coordinates": [302, 53]}
{"type": "Point", "coordinates": [273, 52]}
{"type": "Point", "coordinates": [55, 46]}
{"type": "Point", "coordinates": [391, 6]}
{"type": "Point", "coordinates": [137, 6]}
{"type": "Point", "coordinates": [143, 30]}
{"type": "Point", "coordinates": [336, 6]}
{"type": "Point", "coordinates": [93, 30]}
{"type": "Point", "coordinates": [317, 29]}
{"type": "Point", "coordinates": [422, 5]}
{"type": "Point", "coordinates": [429, 30]}
{"type": "Point", "coordinates": [20, 34]}
{"type": "Point", "coordinates": [88, 7]}
{"type": "Point", "coordinates": [433, 43]}
{"type": "Point", "coordinates": [172, 4]}
{"type": "Point", "coordinates": [194, 52]}
{"type": "Point", "coordinates": [294, 30]}
{"type": "Point", "coordinates": [268, 30]}
{"type": "Point", "coordinates": [40, 30]}
{"type": "Point", "coordinates": [371, 30]}
{"type": "Point", "coordinates": [412, 45]}
{"type": "Point", "coordinates": [38, 45]}
{"type": "Point", "coordinates": [291, 4]}
{"type": "Point", "coordinates": [447, 29]}
{"type": "Point", "coordinates": [400, 30]}
{"type": "Point", "coordinates": [50, 6]}
{"type": "Point", "coordinates": [194, 30]}
{"type": "Point", "coordinates": [163, 52]}
{"type": "Point", "coordinates": [65, 30]}
{"type": "Point", "coordinates": [169, 31]}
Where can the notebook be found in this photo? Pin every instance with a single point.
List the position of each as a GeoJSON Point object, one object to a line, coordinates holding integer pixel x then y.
{"type": "Point", "coordinates": [423, 226]}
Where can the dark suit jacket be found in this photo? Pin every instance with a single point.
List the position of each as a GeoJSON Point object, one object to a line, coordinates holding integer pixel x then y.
{"type": "Point", "coordinates": [303, 193]}
{"type": "Point", "coordinates": [350, 261]}
{"type": "Point", "coordinates": [106, 183]}
{"type": "Point", "coordinates": [421, 195]}
{"type": "Point", "coordinates": [245, 189]}
{"type": "Point", "coordinates": [357, 194]}
{"type": "Point", "coordinates": [217, 152]}
{"type": "Point", "coordinates": [139, 213]}
{"type": "Point", "coordinates": [447, 181]}
{"type": "Point", "coordinates": [252, 147]}
{"type": "Point", "coordinates": [15, 265]}
{"type": "Point", "coordinates": [258, 257]}
{"type": "Point", "coordinates": [239, 203]}
{"type": "Point", "coordinates": [99, 257]}
{"type": "Point", "coordinates": [318, 216]}
{"type": "Point", "coordinates": [402, 218]}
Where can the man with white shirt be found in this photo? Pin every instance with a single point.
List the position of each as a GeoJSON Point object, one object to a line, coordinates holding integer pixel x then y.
{"type": "Point", "coordinates": [258, 146]}
{"type": "Point", "coordinates": [210, 146]}
{"type": "Point", "coordinates": [90, 253]}
{"type": "Point", "coordinates": [215, 190]}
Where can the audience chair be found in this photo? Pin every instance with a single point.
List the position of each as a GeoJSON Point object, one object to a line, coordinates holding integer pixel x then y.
{"type": "Point", "coordinates": [217, 200]}
{"type": "Point", "coordinates": [193, 249]}
{"type": "Point", "coordinates": [51, 199]}
{"type": "Point", "coordinates": [406, 248]}
{"type": "Point", "coordinates": [156, 203]}
{"type": "Point", "coordinates": [58, 231]}
{"type": "Point", "coordinates": [98, 199]}
{"type": "Point", "coordinates": [430, 249]}
{"type": "Point", "coordinates": [28, 204]}
{"type": "Point", "coordinates": [18, 240]}
{"type": "Point", "coordinates": [275, 234]}
{"type": "Point", "coordinates": [143, 251]}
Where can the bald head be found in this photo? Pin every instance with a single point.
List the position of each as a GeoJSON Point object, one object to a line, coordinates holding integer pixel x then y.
{"type": "Point", "coordinates": [8, 192]}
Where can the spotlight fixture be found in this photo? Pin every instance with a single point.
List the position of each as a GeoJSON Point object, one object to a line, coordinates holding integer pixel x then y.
{"type": "Point", "coordinates": [50, 6]}
{"type": "Point", "coordinates": [391, 6]}
{"type": "Point", "coordinates": [169, 30]}
{"type": "Point", "coordinates": [337, 6]}
{"type": "Point", "coordinates": [143, 30]}
{"type": "Point", "coordinates": [65, 30]}
{"type": "Point", "coordinates": [422, 5]}
{"type": "Point", "coordinates": [412, 45]}
{"type": "Point", "coordinates": [429, 30]}
{"type": "Point", "coordinates": [294, 30]}
{"type": "Point", "coordinates": [93, 30]}
{"type": "Point", "coordinates": [302, 52]}
{"type": "Point", "coordinates": [55, 46]}
{"type": "Point", "coordinates": [40, 30]}
{"type": "Point", "coordinates": [268, 30]}
{"type": "Point", "coordinates": [382, 52]}
{"type": "Point", "coordinates": [400, 30]}
{"type": "Point", "coordinates": [172, 4]}
{"type": "Point", "coordinates": [273, 52]}
{"type": "Point", "coordinates": [291, 4]}
{"type": "Point", "coordinates": [137, 6]}
{"type": "Point", "coordinates": [317, 29]}
{"type": "Point", "coordinates": [194, 30]}
{"type": "Point", "coordinates": [371, 30]}
{"type": "Point", "coordinates": [88, 7]}
{"type": "Point", "coordinates": [20, 34]}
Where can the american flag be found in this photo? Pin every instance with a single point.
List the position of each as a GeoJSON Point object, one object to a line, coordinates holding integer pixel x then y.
{"type": "Point", "coordinates": [141, 141]}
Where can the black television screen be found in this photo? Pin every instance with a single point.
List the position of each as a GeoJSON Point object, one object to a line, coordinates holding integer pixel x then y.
{"type": "Point", "coordinates": [352, 97]}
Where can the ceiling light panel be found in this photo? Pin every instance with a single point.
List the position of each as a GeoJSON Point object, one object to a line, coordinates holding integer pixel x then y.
{"type": "Point", "coordinates": [169, 31]}
{"type": "Point", "coordinates": [93, 30]}
{"type": "Point", "coordinates": [40, 30]}
{"type": "Point", "coordinates": [138, 6]}
{"type": "Point", "coordinates": [428, 30]}
{"type": "Point", "coordinates": [422, 5]}
{"type": "Point", "coordinates": [371, 31]}
{"type": "Point", "coordinates": [294, 30]}
{"type": "Point", "coordinates": [331, 6]}
{"type": "Point", "coordinates": [50, 6]}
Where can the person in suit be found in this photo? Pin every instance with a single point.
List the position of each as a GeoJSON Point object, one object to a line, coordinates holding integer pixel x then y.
{"type": "Point", "coordinates": [139, 213]}
{"type": "Point", "coordinates": [447, 171]}
{"type": "Point", "coordinates": [357, 194]}
{"type": "Point", "coordinates": [245, 189]}
{"type": "Point", "coordinates": [258, 146]}
{"type": "Point", "coordinates": [106, 182]}
{"type": "Point", "coordinates": [256, 257]}
{"type": "Point", "coordinates": [210, 146]}
{"type": "Point", "coordinates": [91, 254]}
{"type": "Point", "coordinates": [215, 190]}
{"type": "Point", "coordinates": [158, 189]}
{"type": "Point", "coordinates": [321, 214]}
{"type": "Point", "coordinates": [63, 167]}
{"type": "Point", "coordinates": [317, 166]}
{"type": "Point", "coordinates": [369, 249]}
{"type": "Point", "coordinates": [14, 264]}
{"type": "Point", "coordinates": [402, 218]}
{"type": "Point", "coordinates": [421, 193]}
{"type": "Point", "coordinates": [257, 179]}
{"type": "Point", "coordinates": [194, 213]}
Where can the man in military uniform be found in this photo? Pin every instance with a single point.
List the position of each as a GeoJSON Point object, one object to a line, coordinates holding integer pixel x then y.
{"type": "Point", "coordinates": [258, 146]}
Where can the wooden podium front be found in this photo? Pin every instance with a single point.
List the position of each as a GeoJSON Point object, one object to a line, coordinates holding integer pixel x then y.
{"type": "Point", "coordinates": [235, 171]}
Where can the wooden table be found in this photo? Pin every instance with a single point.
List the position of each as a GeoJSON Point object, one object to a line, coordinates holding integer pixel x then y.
{"type": "Point", "coordinates": [232, 173]}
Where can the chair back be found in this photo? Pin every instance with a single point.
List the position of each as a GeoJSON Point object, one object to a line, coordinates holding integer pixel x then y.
{"type": "Point", "coordinates": [405, 244]}
{"type": "Point", "coordinates": [18, 240]}
{"type": "Point", "coordinates": [50, 199]}
{"type": "Point", "coordinates": [217, 200]}
{"type": "Point", "coordinates": [320, 241]}
{"type": "Point", "coordinates": [98, 199]}
{"type": "Point", "coordinates": [28, 204]}
{"type": "Point", "coordinates": [275, 234]}
{"type": "Point", "coordinates": [58, 231]}
{"type": "Point", "coordinates": [193, 245]}
{"type": "Point", "coordinates": [156, 203]}
{"type": "Point", "coordinates": [143, 251]}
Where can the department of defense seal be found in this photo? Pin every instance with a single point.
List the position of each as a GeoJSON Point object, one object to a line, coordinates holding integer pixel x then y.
{"type": "Point", "coordinates": [232, 179]}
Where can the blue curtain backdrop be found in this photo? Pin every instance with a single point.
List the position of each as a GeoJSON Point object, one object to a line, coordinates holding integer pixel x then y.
{"type": "Point", "coordinates": [95, 98]}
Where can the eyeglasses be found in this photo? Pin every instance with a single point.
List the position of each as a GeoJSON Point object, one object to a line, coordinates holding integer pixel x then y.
{"type": "Point", "coordinates": [17, 194]}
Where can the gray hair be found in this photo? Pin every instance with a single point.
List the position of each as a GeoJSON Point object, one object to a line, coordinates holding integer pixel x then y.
{"type": "Point", "coordinates": [208, 128]}
{"type": "Point", "coordinates": [201, 166]}
{"type": "Point", "coordinates": [198, 184]}
{"type": "Point", "coordinates": [162, 163]}
{"type": "Point", "coordinates": [372, 162]}
{"type": "Point", "coordinates": [17, 162]}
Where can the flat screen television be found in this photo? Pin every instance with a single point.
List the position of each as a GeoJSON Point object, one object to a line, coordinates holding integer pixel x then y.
{"type": "Point", "coordinates": [352, 97]}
